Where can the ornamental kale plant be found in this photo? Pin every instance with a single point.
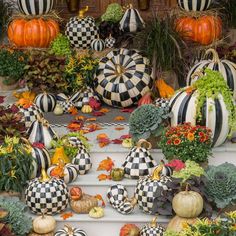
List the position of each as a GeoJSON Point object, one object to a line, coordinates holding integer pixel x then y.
{"type": "Point", "coordinates": [187, 142]}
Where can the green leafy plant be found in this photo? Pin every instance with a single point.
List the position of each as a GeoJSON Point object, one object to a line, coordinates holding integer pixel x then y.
{"type": "Point", "coordinates": [114, 13]}
{"type": "Point", "coordinates": [148, 120]}
{"type": "Point", "coordinates": [187, 142]}
{"type": "Point", "coordinates": [17, 218]}
{"type": "Point", "coordinates": [16, 165]}
{"type": "Point", "coordinates": [221, 184]}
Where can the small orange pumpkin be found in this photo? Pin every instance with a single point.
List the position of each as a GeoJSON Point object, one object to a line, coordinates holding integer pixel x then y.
{"type": "Point", "coordinates": [129, 230]}
{"type": "Point", "coordinates": [204, 29]}
{"type": "Point", "coordinates": [36, 33]}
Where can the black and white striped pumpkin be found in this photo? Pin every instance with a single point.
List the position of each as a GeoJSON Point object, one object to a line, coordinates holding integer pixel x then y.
{"type": "Point", "coordinates": [65, 102]}
{"type": "Point", "coordinates": [69, 231]}
{"type": "Point", "coordinates": [225, 67]}
{"type": "Point", "coordinates": [152, 229]}
{"type": "Point", "coordinates": [35, 7]}
{"type": "Point", "coordinates": [42, 161]}
{"type": "Point", "coordinates": [122, 77]}
{"type": "Point", "coordinates": [98, 45]}
{"type": "Point", "coordinates": [70, 172]}
{"type": "Point", "coordinates": [40, 131]}
{"type": "Point", "coordinates": [131, 21]}
{"type": "Point", "coordinates": [45, 101]}
{"type": "Point", "coordinates": [214, 114]}
{"type": "Point", "coordinates": [194, 5]}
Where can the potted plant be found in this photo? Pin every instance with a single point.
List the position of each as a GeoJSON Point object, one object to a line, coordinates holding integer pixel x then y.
{"type": "Point", "coordinates": [12, 63]}
{"type": "Point", "coordinates": [187, 142]}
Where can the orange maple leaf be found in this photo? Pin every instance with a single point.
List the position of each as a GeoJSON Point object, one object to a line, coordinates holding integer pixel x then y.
{"type": "Point", "coordinates": [102, 136]}
{"type": "Point", "coordinates": [25, 103]}
{"type": "Point", "coordinates": [74, 126]}
{"type": "Point", "coordinates": [28, 95]}
{"type": "Point", "coordinates": [73, 111]}
{"type": "Point", "coordinates": [66, 215]}
{"type": "Point", "coordinates": [119, 128]}
{"type": "Point", "coordinates": [104, 110]}
{"type": "Point", "coordinates": [80, 118]}
{"type": "Point", "coordinates": [102, 177]}
{"type": "Point", "coordinates": [91, 128]}
{"type": "Point", "coordinates": [106, 164]}
{"type": "Point", "coordinates": [119, 118]}
{"type": "Point", "coordinates": [91, 119]}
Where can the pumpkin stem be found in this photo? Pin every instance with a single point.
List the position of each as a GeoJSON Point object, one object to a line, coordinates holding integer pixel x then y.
{"type": "Point", "coordinates": [144, 143]}
{"type": "Point", "coordinates": [198, 73]}
{"type": "Point", "coordinates": [154, 222]}
{"type": "Point", "coordinates": [187, 187]}
{"type": "Point", "coordinates": [81, 12]}
{"type": "Point", "coordinates": [44, 177]}
{"type": "Point", "coordinates": [156, 175]}
{"type": "Point", "coordinates": [69, 229]}
{"type": "Point", "coordinates": [214, 54]}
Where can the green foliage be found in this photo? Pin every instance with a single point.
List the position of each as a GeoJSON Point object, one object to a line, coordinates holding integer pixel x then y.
{"type": "Point", "coordinates": [12, 64]}
{"type": "Point", "coordinates": [20, 223]}
{"type": "Point", "coordinates": [16, 165]}
{"type": "Point", "coordinates": [221, 184]}
{"type": "Point", "coordinates": [114, 13]}
{"type": "Point", "coordinates": [147, 120]}
{"type": "Point", "coordinates": [60, 46]}
{"type": "Point", "coordinates": [171, 233]}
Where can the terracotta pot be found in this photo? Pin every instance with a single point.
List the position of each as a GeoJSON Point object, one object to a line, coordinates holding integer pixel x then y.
{"type": "Point", "coordinates": [154, 141]}
{"type": "Point", "coordinates": [73, 5]}
{"type": "Point", "coordinates": [143, 4]}
{"type": "Point", "coordinates": [10, 87]}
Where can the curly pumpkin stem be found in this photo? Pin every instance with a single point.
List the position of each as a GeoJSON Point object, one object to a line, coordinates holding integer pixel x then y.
{"type": "Point", "coordinates": [44, 177]}
{"type": "Point", "coordinates": [69, 230]}
{"type": "Point", "coordinates": [198, 74]}
{"type": "Point", "coordinates": [214, 54]}
{"type": "Point", "coordinates": [81, 12]}
{"type": "Point", "coordinates": [156, 175]}
{"type": "Point", "coordinates": [154, 222]}
{"type": "Point", "coordinates": [144, 143]}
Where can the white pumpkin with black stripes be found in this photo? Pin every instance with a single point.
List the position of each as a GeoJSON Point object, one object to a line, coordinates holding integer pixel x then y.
{"type": "Point", "coordinates": [40, 131]}
{"type": "Point", "coordinates": [194, 5]}
{"type": "Point", "coordinates": [131, 20]}
{"type": "Point", "coordinates": [35, 7]}
{"type": "Point", "coordinates": [45, 101]}
{"type": "Point", "coordinates": [225, 67]}
{"type": "Point", "coordinates": [98, 44]}
{"type": "Point", "coordinates": [70, 231]}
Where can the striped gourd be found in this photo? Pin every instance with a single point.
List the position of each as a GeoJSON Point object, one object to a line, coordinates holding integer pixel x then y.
{"type": "Point", "coordinates": [131, 21]}
{"type": "Point", "coordinates": [214, 114]}
{"type": "Point", "coordinates": [65, 102]}
{"type": "Point", "coordinates": [225, 67]}
{"type": "Point", "coordinates": [194, 5]}
{"type": "Point", "coordinates": [35, 7]}
{"type": "Point", "coordinates": [45, 101]}
{"type": "Point", "coordinates": [98, 44]}
{"type": "Point", "coordinates": [69, 231]}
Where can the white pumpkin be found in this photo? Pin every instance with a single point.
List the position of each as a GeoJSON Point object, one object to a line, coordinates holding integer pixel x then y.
{"type": "Point", "coordinates": [44, 224]}
{"type": "Point", "coordinates": [69, 231]}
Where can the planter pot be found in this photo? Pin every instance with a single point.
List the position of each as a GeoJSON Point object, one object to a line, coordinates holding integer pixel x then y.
{"type": "Point", "coordinates": [9, 87]}
{"type": "Point", "coordinates": [10, 194]}
{"type": "Point", "coordinates": [73, 5]}
{"type": "Point", "coordinates": [143, 4]}
{"type": "Point", "coordinates": [154, 141]}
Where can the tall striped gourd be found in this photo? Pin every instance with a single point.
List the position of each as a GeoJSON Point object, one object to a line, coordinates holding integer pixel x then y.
{"type": "Point", "coordinates": [45, 101]}
{"type": "Point", "coordinates": [69, 231]}
{"type": "Point", "coordinates": [98, 44]}
{"type": "Point", "coordinates": [194, 5]}
{"type": "Point", "coordinates": [131, 20]}
{"type": "Point", "coordinates": [225, 67]}
{"type": "Point", "coordinates": [35, 7]}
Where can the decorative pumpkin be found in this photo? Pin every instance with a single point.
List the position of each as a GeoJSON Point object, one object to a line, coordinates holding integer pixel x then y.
{"type": "Point", "coordinates": [76, 142]}
{"type": "Point", "coordinates": [44, 224]}
{"type": "Point", "coordinates": [45, 101]}
{"type": "Point", "coordinates": [117, 174]}
{"type": "Point", "coordinates": [116, 194]}
{"type": "Point", "coordinates": [126, 207]}
{"type": "Point", "coordinates": [122, 78]}
{"type": "Point", "coordinates": [98, 44]}
{"type": "Point", "coordinates": [204, 30]}
{"type": "Point", "coordinates": [46, 193]}
{"type": "Point", "coordinates": [86, 109]}
{"type": "Point", "coordinates": [35, 7]}
{"type": "Point", "coordinates": [37, 33]}
{"type": "Point", "coordinates": [184, 110]}
{"type": "Point", "coordinates": [194, 5]}
{"type": "Point", "coordinates": [225, 67]}
{"type": "Point", "coordinates": [81, 31]}
{"type": "Point", "coordinates": [129, 230]}
{"type": "Point", "coordinates": [58, 110]}
{"type": "Point", "coordinates": [147, 186]}
{"type": "Point", "coordinates": [176, 224]}
{"type": "Point", "coordinates": [41, 132]}
{"type": "Point", "coordinates": [110, 42]}
{"type": "Point", "coordinates": [84, 205]}
{"type": "Point", "coordinates": [96, 212]}
{"type": "Point", "coordinates": [145, 99]}
{"type": "Point", "coordinates": [69, 231]}
{"type": "Point", "coordinates": [76, 193]}
{"type": "Point", "coordinates": [164, 89]}
{"type": "Point", "coordinates": [59, 155]}
{"type": "Point", "coordinates": [187, 204]}
{"type": "Point", "coordinates": [152, 229]}
{"type": "Point", "coordinates": [131, 20]}
{"type": "Point", "coordinates": [65, 102]}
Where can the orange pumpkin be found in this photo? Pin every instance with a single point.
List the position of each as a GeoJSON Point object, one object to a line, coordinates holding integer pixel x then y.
{"type": "Point", "coordinates": [129, 230]}
{"type": "Point", "coordinates": [32, 33]}
{"type": "Point", "coordinates": [204, 30]}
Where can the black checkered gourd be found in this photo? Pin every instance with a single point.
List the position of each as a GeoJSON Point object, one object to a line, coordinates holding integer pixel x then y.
{"type": "Point", "coordinates": [116, 194]}
{"type": "Point", "coordinates": [82, 161]}
{"type": "Point", "coordinates": [162, 102]}
{"type": "Point", "coordinates": [131, 21]}
{"type": "Point", "coordinates": [98, 45]}
{"type": "Point", "coordinates": [124, 207]}
{"type": "Point", "coordinates": [51, 195]}
{"type": "Point", "coordinates": [45, 101]}
{"type": "Point", "coordinates": [41, 161]}
{"type": "Point", "coordinates": [194, 5]}
{"type": "Point", "coordinates": [81, 32]}
{"type": "Point", "coordinates": [69, 231]}
{"type": "Point", "coordinates": [35, 7]}
{"type": "Point", "coordinates": [122, 77]}
{"type": "Point", "coordinates": [64, 102]}
{"type": "Point", "coordinates": [110, 42]}
{"type": "Point", "coordinates": [152, 230]}
{"type": "Point", "coordinates": [76, 142]}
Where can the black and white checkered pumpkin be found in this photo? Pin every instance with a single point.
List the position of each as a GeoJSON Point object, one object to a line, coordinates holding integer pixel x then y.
{"type": "Point", "coordinates": [41, 161]}
{"type": "Point", "coordinates": [76, 142]}
{"type": "Point", "coordinates": [45, 101]}
{"type": "Point", "coordinates": [69, 231]}
{"type": "Point", "coordinates": [98, 44]}
{"type": "Point", "coordinates": [65, 102]}
{"type": "Point", "coordinates": [139, 162]}
{"type": "Point", "coordinates": [82, 161]}
{"type": "Point", "coordinates": [225, 67]}
{"type": "Point", "coordinates": [83, 96]}
{"type": "Point", "coordinates": [35, 7]}
{"type": "Point", "coordinates": [70, 172]}
{"type": "Point", "coordinates": [40, 131]}
{"type": "Point", "coordinates": [162, 102]}
{"type": "Point", "coordinates": [110, 42]}
{"type": "Point", "coordinates": [30, 114]}
{"type": "Point", "coordinates": [116, 194]}
{"type": "Point", "coordinates": [194, 5]}
{"type": "Point", "coordinates": [122, 78]}
{"type": "Point", "coordinates": [152, 229]}
{"type": "Point", "coordinates": [125, 207]}
{"type": "Point", "coordinates": [81, 32]}
{"type": "Point", "coordinates": [47, 194]}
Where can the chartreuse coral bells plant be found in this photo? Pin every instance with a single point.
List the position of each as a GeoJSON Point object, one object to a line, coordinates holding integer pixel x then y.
{"type": "Point", "coordinates": [16, 165]}
{"type": "Point", "coordinates": [187, 142]}
{"type": "Point", "coordinates": [148, 120]}
{"type": "Point", "coordinates": [114, 13]}
{"type": "Point", "coordinates": [221, 184]}
{"type": "Point", "coordinates": [17, 220]}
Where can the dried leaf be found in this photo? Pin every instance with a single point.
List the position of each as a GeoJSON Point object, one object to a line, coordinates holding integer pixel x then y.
{"type": "Point", "coordinates": [102, 177]}
{"type": "Point", "coordinates": [127, 110]}
{"type": "Point", "coordinates": [38, 145]}
{"type": "Point", "coordinates": [106, 164]}
{"type": "Point", "coordinates": [95, 104]}
{"type": "Point", "coordinates": [92, 127]}
{"type": "Point", "coordinates": [103, 142]}
{"type": "Point", "coordinates": [119, 118]}
{"type": "Point", "coordinates": [125, 136]}
{"type": "Point", "coordinates": [104, 110]}
{"type": "Point", "coordinates": [91, 119]}
{"type": "Point", "coordinates": [99, 196]}
{"type": "Point", "coordinates": [2, 99]}
{"type": "Point", "coordinates": [75, 126]}
{"type": "Point", "coordinates": [28, 95]}
{"type": "Point", "coordinates": [25, 103]}
{"type": "Point", "coordinates": [102, 136]}
{"type": "Point", "coordinates": [98, 113]}
{"type": "Point", "coordinates": [73, 111]}
{"type": "Point", "coordinates": [117, 141]}
{"type": "Point", "coordinates": [66, 215]}
{"type": "Point", "coordinates": [80, 118]}
{"type": "Point", "coordinates": [119, 128]}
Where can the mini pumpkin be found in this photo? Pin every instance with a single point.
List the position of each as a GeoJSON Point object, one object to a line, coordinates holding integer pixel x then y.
{"type": "Point", "coordinates": [59, 155]}
{"type": "Point", "coordinates": [98, 44]}
{"type": "Point", "coordinates": [152, 229]}
{"type": "Point", "coordinates": [117, 174]}
{"type": "Point", "coordinates": [76, 193]}
{"type": "Point", "coordinates": [87, 109]}
{"type": "Point", "coordinates": [96, 212]}
{"type": "Point", "coordinates": [44, 224]}
{"type": "Point", "coordinates": [176, 224]}
{"type": "Point", "coordinates": [70, 231]}
{"type": "Point", "coordinates": [45, 101]}
{"type": "Point", "coordinates": [129, 230]}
